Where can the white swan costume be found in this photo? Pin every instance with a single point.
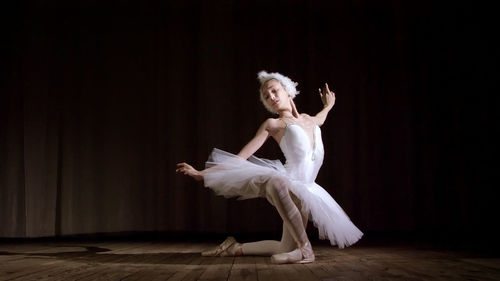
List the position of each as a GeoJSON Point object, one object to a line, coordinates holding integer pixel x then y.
{"type": "Point", "coordinates": [245, 179]}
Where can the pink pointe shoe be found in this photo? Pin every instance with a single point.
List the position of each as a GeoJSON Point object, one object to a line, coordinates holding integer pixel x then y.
{"type": "Point", "coordinates": [228, 248]}
{"type": "Point", "coordinates": [304, 254]}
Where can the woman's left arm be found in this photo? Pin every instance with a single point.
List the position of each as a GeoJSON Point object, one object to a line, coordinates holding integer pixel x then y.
{"type": "Point", "coordinates": [328, 99]}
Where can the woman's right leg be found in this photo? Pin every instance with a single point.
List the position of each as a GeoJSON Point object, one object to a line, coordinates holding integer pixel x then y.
{"type": "Point", "coordinates": [270, 247]}
{"type": "Point", "coordinates": [278, 194]}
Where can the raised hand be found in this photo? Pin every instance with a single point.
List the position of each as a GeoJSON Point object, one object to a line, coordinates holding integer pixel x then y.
{"type": "Point", "coordinates": [327, 97]}
{"type": "Point", "coordinates": [188, 170]}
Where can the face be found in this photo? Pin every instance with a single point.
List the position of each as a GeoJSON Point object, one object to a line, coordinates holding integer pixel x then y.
{"type": "Point", "coordinates": [274, 95]}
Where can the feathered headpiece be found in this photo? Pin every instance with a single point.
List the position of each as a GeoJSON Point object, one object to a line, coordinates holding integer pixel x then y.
{"type": "Point", "coordinates": [287, 83]}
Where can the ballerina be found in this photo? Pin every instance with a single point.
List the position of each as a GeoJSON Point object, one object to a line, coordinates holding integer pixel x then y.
{"type": "Point", "coordinates": [290, 188]}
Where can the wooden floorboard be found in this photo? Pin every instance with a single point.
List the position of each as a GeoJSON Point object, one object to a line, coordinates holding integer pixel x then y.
{"type": "Point", "coordinates": [244, 269]}
{"type": "Point", "coordinates": [175, 261]}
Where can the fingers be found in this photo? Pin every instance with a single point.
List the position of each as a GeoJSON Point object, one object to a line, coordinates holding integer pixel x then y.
{"type": "Point", "coordinates": [328, 90]}
{"type": "Point", "coordinates": [182, 167]}
{"type": "Point", "coordinates": [183, 171]}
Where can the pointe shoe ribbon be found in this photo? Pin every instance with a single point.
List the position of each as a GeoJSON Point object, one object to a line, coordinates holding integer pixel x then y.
{"type": "Point", "coordinates": [304, 254]}
{"type": "Point", "coordinates": [307, 253]}
{"type": "Point", "coordinates": [221, 249]}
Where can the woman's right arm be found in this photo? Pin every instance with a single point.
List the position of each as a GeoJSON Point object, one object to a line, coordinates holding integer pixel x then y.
{"type": "Point", "coordinates": [258, 140]}
{"type": "Point", "coordinates": [188, 170]}
{"type": "Point", "coordinates": [250, 148]}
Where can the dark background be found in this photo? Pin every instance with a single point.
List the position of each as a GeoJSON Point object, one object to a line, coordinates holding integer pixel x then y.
{"type": "Point", "coordinates": [100, 101]}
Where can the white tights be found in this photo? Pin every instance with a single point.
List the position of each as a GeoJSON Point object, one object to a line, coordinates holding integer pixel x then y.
{"type": "Point", "coordinates": [294, 222]}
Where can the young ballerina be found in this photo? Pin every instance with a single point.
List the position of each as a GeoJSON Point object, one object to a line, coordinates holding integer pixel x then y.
{"type": "Point", "coordinates": [290, 187]}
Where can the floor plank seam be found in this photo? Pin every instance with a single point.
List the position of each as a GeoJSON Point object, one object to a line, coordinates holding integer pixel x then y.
{"type": "Point", "coordinates": [230, 269]}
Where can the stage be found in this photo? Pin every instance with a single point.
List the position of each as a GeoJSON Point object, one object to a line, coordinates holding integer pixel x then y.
{"type": "Point", "coordinates": [154, 260]}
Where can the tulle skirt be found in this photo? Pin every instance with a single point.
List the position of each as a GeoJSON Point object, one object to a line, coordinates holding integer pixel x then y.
{"type": "Point", "coordinates": [236, 177]}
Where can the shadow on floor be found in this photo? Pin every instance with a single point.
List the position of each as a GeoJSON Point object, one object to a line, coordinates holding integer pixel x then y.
{"type": "Point", "coordinates": [90, 254]}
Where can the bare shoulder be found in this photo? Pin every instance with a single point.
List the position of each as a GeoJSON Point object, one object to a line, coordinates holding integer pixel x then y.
{"type": "Point", "coordinates": [308, 117]}
{"type": "Point", "coordinates": [273, 125]}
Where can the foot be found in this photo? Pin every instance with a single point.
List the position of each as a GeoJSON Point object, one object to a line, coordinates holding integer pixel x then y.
{"type": "Point", "coordinates": [234, 251]}
{"type": "Point", "coordinates": [228, 248]}
{"type": "Point", "coordinates": [304, 254]}
{"type": "Point", "coordinates": [307, 253]}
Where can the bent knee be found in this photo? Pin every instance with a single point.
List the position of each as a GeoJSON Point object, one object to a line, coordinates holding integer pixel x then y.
{"type": "Point", "coordinates": [277, 185]}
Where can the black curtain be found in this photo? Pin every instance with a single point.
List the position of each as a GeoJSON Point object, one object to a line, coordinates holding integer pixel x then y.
{"type": "Point", "coordinates": [100, 101]}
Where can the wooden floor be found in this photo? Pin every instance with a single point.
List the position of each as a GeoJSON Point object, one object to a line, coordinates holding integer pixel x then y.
{"type": "Point", "coordinates": [182, 261]}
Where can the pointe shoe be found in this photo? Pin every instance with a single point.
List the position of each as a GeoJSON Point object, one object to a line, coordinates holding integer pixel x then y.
{"type": "Point", "coordinates": [234, 250]}
{"type": "Point", "coordinates": [304, 254]}
{"type": "Point", "coordinates": [290, 257]}
{"type": "Point", "coordinates": [222, 249]}
{"type": "Point", "coordinates": [307, 253]}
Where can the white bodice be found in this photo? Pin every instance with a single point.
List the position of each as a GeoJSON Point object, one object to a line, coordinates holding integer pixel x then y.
{"type": "Point", "coordinates": [303, 158]}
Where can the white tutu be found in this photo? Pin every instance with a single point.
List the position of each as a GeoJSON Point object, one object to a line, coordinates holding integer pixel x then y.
{"type": "Point", "coordinates": [245, 179]}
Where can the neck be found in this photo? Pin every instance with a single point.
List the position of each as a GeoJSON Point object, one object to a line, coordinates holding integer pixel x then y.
{"type": "Point", "coordinates": [287, 113]}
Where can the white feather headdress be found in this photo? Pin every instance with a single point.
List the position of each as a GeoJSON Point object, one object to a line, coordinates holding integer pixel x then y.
{"type": "Point", "coordinates": [288, 84]}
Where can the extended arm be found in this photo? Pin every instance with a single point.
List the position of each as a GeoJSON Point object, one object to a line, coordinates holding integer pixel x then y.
{"type": "Point", "coordinates": [328, 99]}
{"type": "Point", "coordinates": [255, 143]}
